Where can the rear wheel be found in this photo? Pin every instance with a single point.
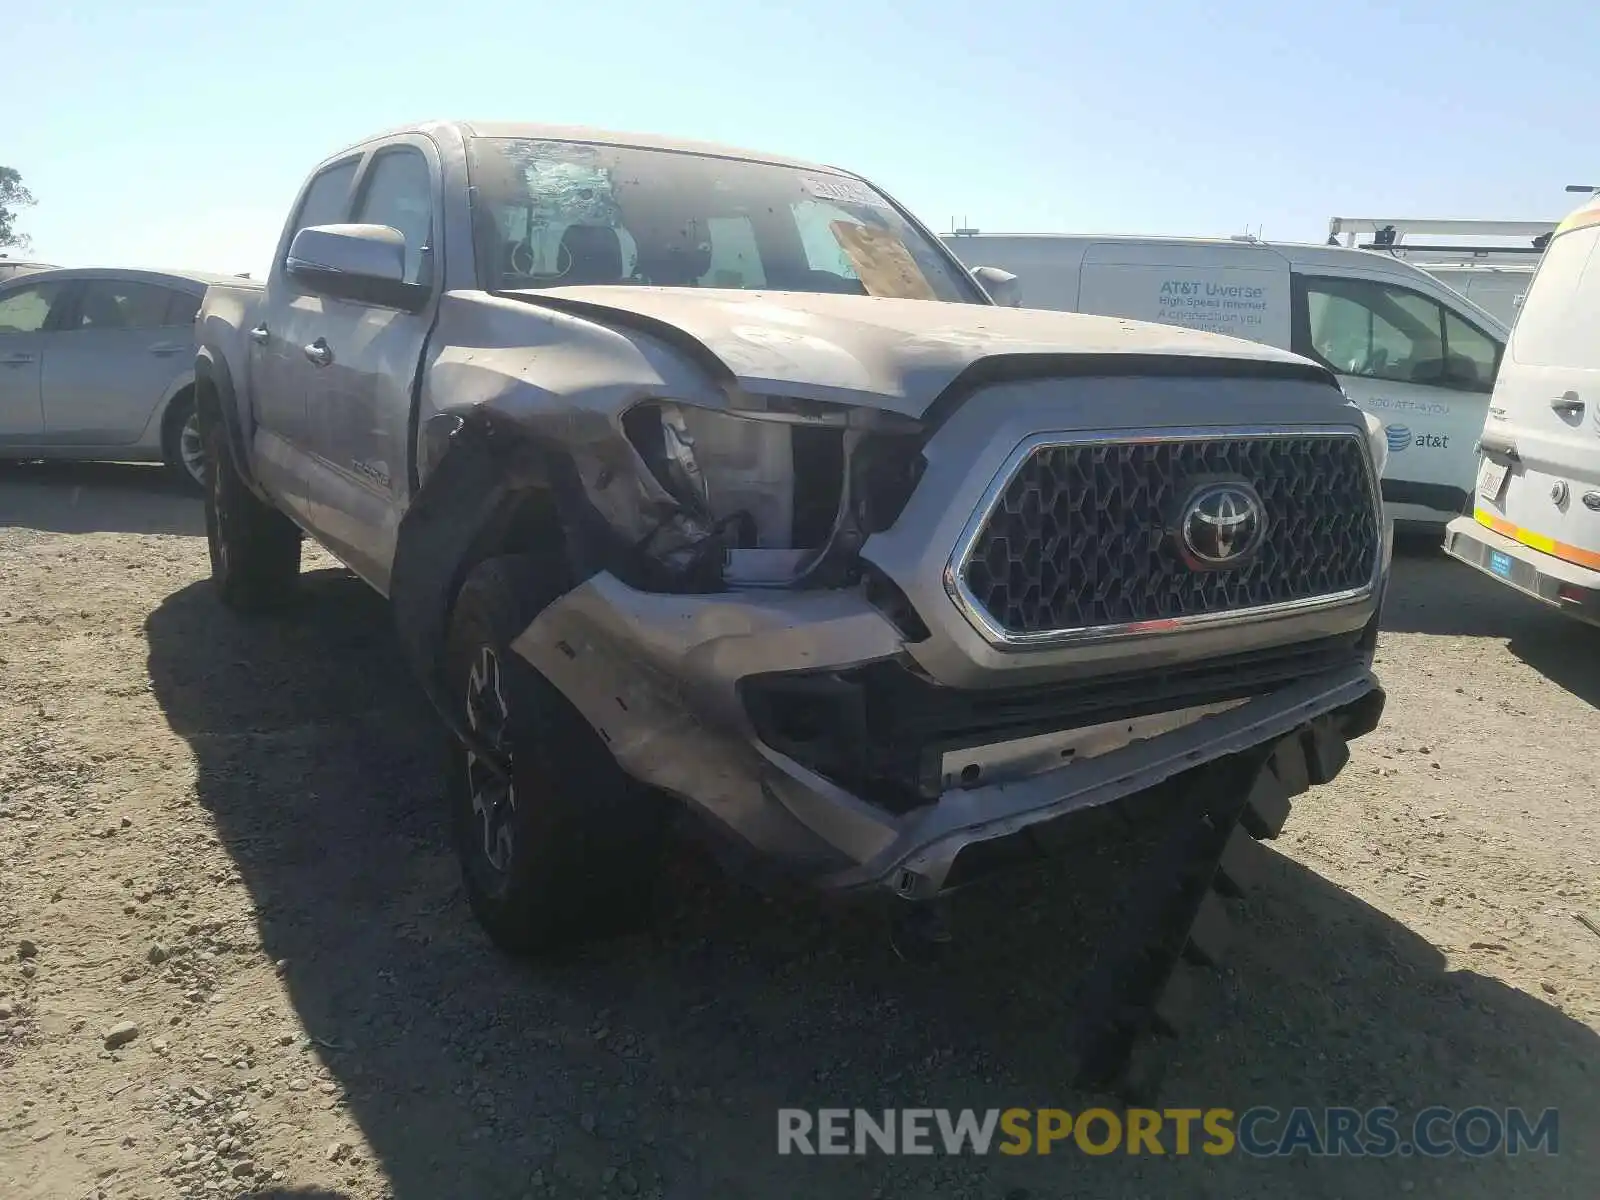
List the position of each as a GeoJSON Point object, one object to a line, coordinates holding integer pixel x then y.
{"type": "Point", "coordinates": [557, 844]}
{"type": "Point", "coordinates": [182, 445]}
{"type": "Point", "coordinates": [255, 549]}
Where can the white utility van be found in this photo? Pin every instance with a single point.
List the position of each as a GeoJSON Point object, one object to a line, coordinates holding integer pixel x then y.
{"type": "Point", "coordinates": [1497, 288]}
{"type": "Point", "coordinates": [1407, 349]}
{"type": "Point", "coordinates": [1536, 519]}
{"type": "Point", "coordinates": [1491, 263]}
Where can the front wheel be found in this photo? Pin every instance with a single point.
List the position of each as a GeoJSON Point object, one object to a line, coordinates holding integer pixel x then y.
{"type": "Point", "coordinates": [557, 844]}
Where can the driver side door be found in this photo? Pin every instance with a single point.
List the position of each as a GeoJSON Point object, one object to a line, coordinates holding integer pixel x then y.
{"type": "Point", "coordinates": [280, 371]}
{"type": "Point", "coordinates": [360, 398]}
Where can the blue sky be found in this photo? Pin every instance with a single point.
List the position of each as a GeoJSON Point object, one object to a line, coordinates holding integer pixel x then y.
{"type": "Point", "coordinates": [165, 133]}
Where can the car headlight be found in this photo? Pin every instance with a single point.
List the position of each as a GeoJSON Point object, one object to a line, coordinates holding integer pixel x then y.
{"type": "Point", "coordinates": [737, 472]}
{"type": "Point", "coordinates": [1377, 442]}
{"type": "Point", "coordinates": [770, 484]}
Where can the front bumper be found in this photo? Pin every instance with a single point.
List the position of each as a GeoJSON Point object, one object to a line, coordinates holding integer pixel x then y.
{"type": "Point", "coordinates": [662, 677]}
{"type": "Point", "coordinates": [859, 753]}
{"type": "Point", "coordinates": [1562, 585]}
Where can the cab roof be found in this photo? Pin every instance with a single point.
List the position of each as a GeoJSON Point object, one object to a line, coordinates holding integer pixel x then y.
{"type": "Point", "coordinates": [606, 137]}
{"type": "Point", "coordinates": [169, 278]}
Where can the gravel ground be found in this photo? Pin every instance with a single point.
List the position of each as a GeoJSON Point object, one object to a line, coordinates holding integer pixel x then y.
{"type": "Point", "coordinates": [234, 956]}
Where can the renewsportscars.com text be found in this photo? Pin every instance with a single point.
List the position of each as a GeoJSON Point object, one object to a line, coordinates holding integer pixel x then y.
{"type": "Point", "coordinates": [1259, 1132]}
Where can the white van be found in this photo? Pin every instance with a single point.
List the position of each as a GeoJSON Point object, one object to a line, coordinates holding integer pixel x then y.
{"type": "Point", "coordinates": [1417, 355]}
{"type": "Point", "coordinates": [1536, 519]}
{"type": "Point", "coordinates": [1497, 288]}
{"type": "Point", "coordinates": [1491, 263]}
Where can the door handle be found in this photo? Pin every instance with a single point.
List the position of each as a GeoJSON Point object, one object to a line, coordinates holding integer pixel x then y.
{"type": "Point", "coordinates": [319, 352]}
{"type": "Point", "coordinates": [1568, 404]}
{"type": "Point", "coordinates": [166, 349]}
{"type": "Point", "coordinates": [259, 334]}
{"type": "Point", "coordinates": [17, 360]}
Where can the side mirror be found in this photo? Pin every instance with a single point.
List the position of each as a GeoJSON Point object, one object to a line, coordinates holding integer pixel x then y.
{"type": "Point", "coordinates": [364, 263]}
{"type": "Point", "coordinates": [1001, 285]}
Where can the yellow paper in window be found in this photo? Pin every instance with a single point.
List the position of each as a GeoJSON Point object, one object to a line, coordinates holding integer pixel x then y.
{"type": "Point", "coordinates": [882, 262]}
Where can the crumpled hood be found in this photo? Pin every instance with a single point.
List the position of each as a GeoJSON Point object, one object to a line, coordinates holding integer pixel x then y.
{"type": "Point", "coordinates": [894, 354]}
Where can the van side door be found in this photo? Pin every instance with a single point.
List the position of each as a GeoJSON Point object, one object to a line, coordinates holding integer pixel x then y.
{"type": "Point", "coordinates": [1238, 289]}
{"type": "Point", "coordinates": [370, 355]}
{"type": "Point", "coordinates": [1424, 369]}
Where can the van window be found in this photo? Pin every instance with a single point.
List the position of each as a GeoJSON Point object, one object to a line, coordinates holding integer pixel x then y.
{"type": "Point", "coordinates": [1380, 331]}
{"type": "Point", "coordinates": [1472, 357]}
{"type": "Point", "coordinates": [1559, 325]}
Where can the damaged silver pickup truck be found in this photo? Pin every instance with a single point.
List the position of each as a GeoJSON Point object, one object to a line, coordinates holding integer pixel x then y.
{"type": "Point", "coordinates": [704, 477]}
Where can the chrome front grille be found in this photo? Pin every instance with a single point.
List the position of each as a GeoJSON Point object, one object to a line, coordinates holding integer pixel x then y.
{"type": "Point", "coordinates": [1083, 536]}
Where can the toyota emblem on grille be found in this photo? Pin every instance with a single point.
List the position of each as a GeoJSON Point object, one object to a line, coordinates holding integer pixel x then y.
{"type": "Point", "coordinates": [1222, 525]}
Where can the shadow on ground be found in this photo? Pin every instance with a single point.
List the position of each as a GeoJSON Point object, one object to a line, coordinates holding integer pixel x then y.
{"type": "Point", "coordinates": [654, 1065]}
{"type": "Point", "coordinates": [1432, 593]}
{"type": "Point", "coordinates": [65, 497]}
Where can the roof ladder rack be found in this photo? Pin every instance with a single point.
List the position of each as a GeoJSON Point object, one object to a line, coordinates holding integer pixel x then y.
{"type": "Point", "coordinates": [1388, 234]}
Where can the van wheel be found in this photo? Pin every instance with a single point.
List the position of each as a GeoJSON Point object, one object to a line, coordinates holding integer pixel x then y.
{"type": "Point", "coordinates": [557, 844]}
{"type": "Point", "coordinates": [255, 549]}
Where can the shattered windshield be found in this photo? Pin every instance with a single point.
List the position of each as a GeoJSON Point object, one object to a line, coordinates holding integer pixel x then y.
{"type": "Point", "coordinates": [556, 213]}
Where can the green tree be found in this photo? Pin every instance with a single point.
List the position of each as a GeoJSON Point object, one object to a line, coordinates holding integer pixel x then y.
{"type": "Point", "coordinates": [13, 196]}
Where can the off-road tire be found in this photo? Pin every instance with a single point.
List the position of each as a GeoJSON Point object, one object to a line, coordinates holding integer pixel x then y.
{"type": "Point", "coordinates": [585, 839]}
{"type": "Point", "coordinates": [255, 549]}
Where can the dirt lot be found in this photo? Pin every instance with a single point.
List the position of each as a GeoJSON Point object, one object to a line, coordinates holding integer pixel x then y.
{"type": "Point", "coordinates": [228, 833]}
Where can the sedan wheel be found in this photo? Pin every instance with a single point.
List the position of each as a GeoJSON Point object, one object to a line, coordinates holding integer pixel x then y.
{"type": "Point", "coordinates": [192, 449]}
{"type": "Point", "coordinates": [183, 446]}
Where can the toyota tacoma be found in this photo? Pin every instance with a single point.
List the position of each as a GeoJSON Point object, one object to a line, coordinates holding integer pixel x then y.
{"type": "Point", "coordinates": [705, 479]}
